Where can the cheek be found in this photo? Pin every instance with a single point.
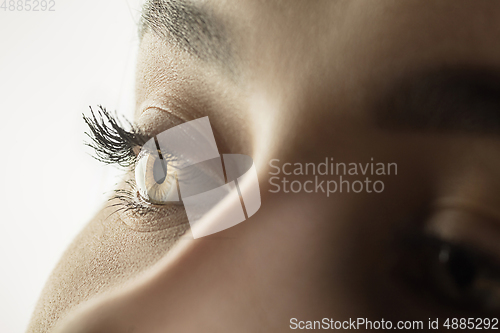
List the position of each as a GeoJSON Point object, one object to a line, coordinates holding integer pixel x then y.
{"type": "Point", "coordinates": [292, 257]}
{"type": "Point", "coordinates": [105, 254]}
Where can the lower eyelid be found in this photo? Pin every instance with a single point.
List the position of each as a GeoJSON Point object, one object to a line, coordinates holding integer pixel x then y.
{"type": "Point", "coordinates": [143, 216]}
{"type": "Point", "coordinates": [173, 216]}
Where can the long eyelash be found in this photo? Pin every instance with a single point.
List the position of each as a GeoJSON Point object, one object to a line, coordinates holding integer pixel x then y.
{"type": "Point", "coordinates": [126, 200]}
{"type": "Point", "coordinates": [112, 143]}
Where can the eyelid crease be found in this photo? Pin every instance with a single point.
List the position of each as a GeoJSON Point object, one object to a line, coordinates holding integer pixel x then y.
{"type": "Point", "coordinates": [468, 206]}
{"type": "Point", "coordinates": [156, 116]}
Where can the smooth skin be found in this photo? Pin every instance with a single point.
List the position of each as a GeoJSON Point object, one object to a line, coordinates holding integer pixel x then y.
{"type": "Point", "coordinates": [307, 82]}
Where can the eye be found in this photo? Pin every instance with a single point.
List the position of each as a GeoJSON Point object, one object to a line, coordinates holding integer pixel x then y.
{"type": "Point", "coordinates": [458, 275]}
{"type": "Point", "coordinates": [465, 276]}
{"type": "Point", "coordinates": [156, 178]}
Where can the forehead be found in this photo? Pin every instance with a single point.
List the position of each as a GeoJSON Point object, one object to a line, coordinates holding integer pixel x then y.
{"type": "Point", "coordinates": [309, 47]}
{"type": "Point", "coordinates": [210, 29]}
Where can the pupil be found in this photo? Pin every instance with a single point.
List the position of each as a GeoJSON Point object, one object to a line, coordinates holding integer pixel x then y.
{"type": "Point", "coordinates": [461, 268]}
{"type": "Point", "coordinates": [159, 171]}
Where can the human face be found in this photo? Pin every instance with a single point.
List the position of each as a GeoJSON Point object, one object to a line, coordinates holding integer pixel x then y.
{"type": "Point", "coordinates": [413, 83]}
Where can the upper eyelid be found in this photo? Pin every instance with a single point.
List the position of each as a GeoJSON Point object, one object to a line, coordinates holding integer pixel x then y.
{"type": "Point", "coordinates": [113, 143]}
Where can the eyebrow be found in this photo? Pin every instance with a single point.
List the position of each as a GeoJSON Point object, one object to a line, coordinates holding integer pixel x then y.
{"type": "Point", "coordinates": [457, 100]}
{"type": "Point", "coordinates": [194, 29]}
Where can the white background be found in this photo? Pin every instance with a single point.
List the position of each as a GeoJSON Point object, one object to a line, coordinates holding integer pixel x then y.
{"type": "Point", "coordinates": [53, 66]}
